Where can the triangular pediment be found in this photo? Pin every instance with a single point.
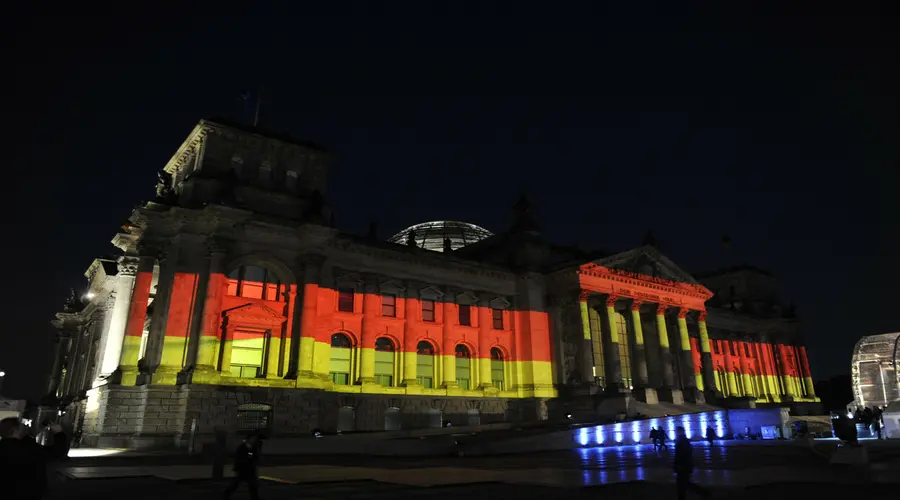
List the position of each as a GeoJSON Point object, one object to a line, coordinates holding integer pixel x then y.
{"type": "Point", "coordinates": [257, 310]}
{"type": "Point", "coordinates": [647, 261]}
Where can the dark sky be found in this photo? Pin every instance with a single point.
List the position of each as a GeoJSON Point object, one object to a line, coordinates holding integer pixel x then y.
{"type": "Point", "coordinates": [776, 128]}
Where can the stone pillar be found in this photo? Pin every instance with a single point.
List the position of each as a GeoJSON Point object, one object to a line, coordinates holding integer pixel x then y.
{"type": "Point", "coordinates": [56, 372]}
{"type": "Point", "coordinates": [409, 348]}
{"type": "Point", "coordinates": [665, 354]}
{"type": "Point", "coordinates": [709, 371]}
{"type": "Point", "coordinates": [287, 344]}
{"type": "Point", "coordinates": [137, 316]}
{"type": "Point", "coordinates": [611, 348]}
{"type": "Point", "coordinates": [784, 373]}
{"type": "Point", "coordinates": [745, 370]}
{"type": "Point", "coordinates": [772, 372]}
{"type": "Point", "coordinates": [807, 374]}
{"type": "Point", "coordinates": [304, 335]}
{"type": "Point", "coordinates": [485, 325]}
{"type": "Point", "coordinates": [371, 301]}
{"type": "Point", "coordinates": [729, 369]}
{"type": "Point", "coordinates": [115, 336]}
{"type": "Point", "coordinates": [207, 314]}
{"type": "Point", "coordinates": [639, 364]}
{"type": "Point", "coordinates": [448, 349]}
{"type": "Point", "coordinates": [690, 392]}
{"type": "Point", "coordinates": [160, 350]}
{"type": "Point", "coordinates": [586, 349]}
{"type": "Point", "coordinates": [227, 340]}
{"type": "Point", "coordinates": [273, 346]}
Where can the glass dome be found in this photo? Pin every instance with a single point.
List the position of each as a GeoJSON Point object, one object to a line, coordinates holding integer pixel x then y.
{"type": "Point", "coordinates": [430, 235]}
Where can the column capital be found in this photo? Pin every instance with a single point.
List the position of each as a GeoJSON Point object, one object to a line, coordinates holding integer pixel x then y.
{"type": "Point", "coordinates": [683, 312]}
{"type": "Point", "coordinates": [702, 316]}
{"type": "Point", "coordinates": [661, 308]}
{"type": "Point", "coordinates": [584, 295]}
{"type": "Point", "coordinates": [128, 266]}
{"type": "Point", "coordinates": [636, 305]}
{"type": "Point", "coordinates": [217, 246]}
{"type": "Point", "coordinates": [611, 300]}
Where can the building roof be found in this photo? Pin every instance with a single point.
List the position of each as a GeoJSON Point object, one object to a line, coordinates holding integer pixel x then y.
{"type": "Point", "coordinates": [431, 235]}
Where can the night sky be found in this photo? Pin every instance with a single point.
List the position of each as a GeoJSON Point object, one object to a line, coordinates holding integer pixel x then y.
{"type": "Point", "coordinates": [778, 129]}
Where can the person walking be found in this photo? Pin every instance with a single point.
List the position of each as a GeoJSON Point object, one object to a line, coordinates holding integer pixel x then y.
{"type": "Point", "coordinates": [246, 458]}
{"type": "Point", "coordinates": [654, 438]}
{"type": "Point", "coordinates": [684, 467]}
{"type": "Point", "coordinates": [23, 462]}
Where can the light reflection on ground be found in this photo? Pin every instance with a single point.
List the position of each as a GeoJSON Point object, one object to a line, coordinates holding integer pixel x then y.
{"type": "Point", "coordinates": [93, 452]}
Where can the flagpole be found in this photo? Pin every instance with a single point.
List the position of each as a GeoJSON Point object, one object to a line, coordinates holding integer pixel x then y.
{"type": "Point", "coordinates": [258, 104]}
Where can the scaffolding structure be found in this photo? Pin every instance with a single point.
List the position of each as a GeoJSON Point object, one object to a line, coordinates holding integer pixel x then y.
{"type": "Point", "coordinates": [874, 370]}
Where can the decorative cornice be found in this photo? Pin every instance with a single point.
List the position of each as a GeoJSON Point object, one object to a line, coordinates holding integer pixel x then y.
{"type": "Point", "coordinates": [637, 279]}
{"type": "Point", "coordinates": [128, 266]}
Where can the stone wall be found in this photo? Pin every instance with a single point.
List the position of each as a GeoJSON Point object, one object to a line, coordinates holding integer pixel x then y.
{"type": "Point", "coordinates": [161, 416]}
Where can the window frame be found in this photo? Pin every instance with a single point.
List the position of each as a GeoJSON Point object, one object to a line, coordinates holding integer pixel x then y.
{"type": "Point", "coordinates": [497, 316]}
{"type": "Point", "coordinates": [342, 298]}
{"type": "Point", "coordinates": [467, 315]}
{"type": "Point", "coordinates": [392, 305]}
{"type": "Point", "coordinates": [425, 310]}
{"type": "Point", "coordinates": [269, 278]}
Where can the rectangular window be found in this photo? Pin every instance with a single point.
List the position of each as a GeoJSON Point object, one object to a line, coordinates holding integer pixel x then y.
{"type": "Point", "coordinates": [497, 315]}
{"type": "Point", "coordinates": [389, 305]}
{"type": "Point", "coordinates": [731, 347]}
{"type": "Point", "coordinates": [747, 350]}
{"type": "Point", "coordinates": [427, 310]}
{"type": "Point", "coordinates": [715, 344]}
{"type": "Point", "coordinates": [465, 315]}
{"type": "Point", "coordinates": [345, 300]}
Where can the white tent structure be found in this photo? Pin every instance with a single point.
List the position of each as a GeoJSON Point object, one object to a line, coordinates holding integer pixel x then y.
{"type": "Point", "coordinates": [874, 370]}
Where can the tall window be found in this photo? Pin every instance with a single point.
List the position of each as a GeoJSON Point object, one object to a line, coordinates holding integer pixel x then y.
{"type": "Point", "coordinates": [384, 362]}
{"type": "Point", "coordinates": [597, 344]}
{"type": "Point", "coordinates": [739, 381]}
{"type": "Point", "coordinates": [463, 366]}
{"type": "Point", "coordinates": [340, 364]}
{"type": "Point", "coordinates": [425, 364]}
{"type": "Point", "coordinates": [731, 347]}
{"type": "Point", "coordinates": [427, 310]}
{"type": "Point", "coordinates": [255, 282]}
{"type": "Point", "coordinates": [497, 316]}
{"type": "Point", "coordinates": [722, 381]}
{"type": "Point", "coordinates": [624, 351]}
{"type": "Point", "coordinates": [747, 350]}
{"type": "Point", "coordinates": [247, 354]}
{"type": "Point", "coordinates": [465, 315]}
{"type": "Point", "coordinates": [715, 344]}
{"type": "Point", "coordinates": [345, 300]}
{"type": "Point", "coordinates": [497, 368]}
{"type": "Point", "coordinates": [389, 305]}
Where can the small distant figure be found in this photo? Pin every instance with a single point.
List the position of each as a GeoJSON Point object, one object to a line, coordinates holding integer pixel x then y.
{"type": "Point", "coordinates": [710, 434]}
{"type": "Point", "coordinates": [661, 438]}
{"type": "Point", "coordinates": [654, 438]}
{"type": "Point", "coordinates": [246, 458]}
{"type": "Point", "coordinates": [684, 467]}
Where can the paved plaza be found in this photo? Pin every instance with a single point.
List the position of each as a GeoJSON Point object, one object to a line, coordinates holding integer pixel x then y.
{"type": "Point", "coordinates": [735, 469]}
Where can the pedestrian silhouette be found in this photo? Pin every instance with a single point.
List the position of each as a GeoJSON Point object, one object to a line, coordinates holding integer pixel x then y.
{"type": "Point", "coordinates": [246, 457]}
{"type": "Point", "coordinates": [684, 467]}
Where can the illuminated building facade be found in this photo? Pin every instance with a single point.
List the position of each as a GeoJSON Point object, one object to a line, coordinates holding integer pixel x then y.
{"type": "Point", "coordinates": [235, 303]}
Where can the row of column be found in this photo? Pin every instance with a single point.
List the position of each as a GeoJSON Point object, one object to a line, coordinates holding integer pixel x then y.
{"type": "Point", "coordinates": [612, 362]}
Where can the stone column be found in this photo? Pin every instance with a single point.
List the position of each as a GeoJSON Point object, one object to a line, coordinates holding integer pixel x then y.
{"type": "Point", "coordinates": [784, 372]}
{"type": "Point", "coordinates": [611, 348]}
{"type": "Point", "coordinates": [161, 364]}
{"type": "Point", "coordinates": [745, 370]}
{"type": "Point", "coordinates": [287, 345]}
{"type": "Point", "coordinates": [409, 348]}
{"type": "Point", "coordinates": [207, 314]}
{"type": "Point", "coordinates": [690, 391]}
{"type": "Point", "coordinates": [56, 370]}
{"type": "Point", "coordinates": [639, 364]}
{"type": "Point", "coordinates": [273, 345]}
{"type": "Point", "coordinates": [371, 301]}
{"type": "Point", "coordinates": [586, 349]}
{"type": "Point", "coordinates": [708, 370]}
{"type": "Point", "coordinates": [807, 374]}
{"type": "Point", "coordinates": [304, 335]}
{"type": "Point", "coordinates": [448, 350]}
{"type": "Point", "coordinates": [137, 316]}
{"type": "Point", "coordinates": [665, 354]}
{"type": "Point", "coordinates": [485, 326]}
{"type": "Point", "coordinates": [115, 335]}
{"type": "Point", "coordinates": [227, 341]}
{"type": "Point", "coordinates": [729, 369]}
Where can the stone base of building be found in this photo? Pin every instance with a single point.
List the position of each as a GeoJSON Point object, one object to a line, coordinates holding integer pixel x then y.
{"type": "Point", "coordinates": [157, 416]}
{"type": "Point", "coordinates": [645, 395]}
{"type": "Point", "coordinates": [674, 396]}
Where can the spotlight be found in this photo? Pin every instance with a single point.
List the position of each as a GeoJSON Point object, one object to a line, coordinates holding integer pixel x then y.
{"type": "Point", "coordinates": [89, 296]}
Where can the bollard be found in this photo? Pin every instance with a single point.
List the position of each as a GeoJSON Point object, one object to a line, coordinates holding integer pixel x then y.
{"type": "Point", "coordinates": [218, 470]}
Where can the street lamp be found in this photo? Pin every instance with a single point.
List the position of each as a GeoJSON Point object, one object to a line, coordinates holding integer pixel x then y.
{"type": "Point", "coordinates": [2, 376]}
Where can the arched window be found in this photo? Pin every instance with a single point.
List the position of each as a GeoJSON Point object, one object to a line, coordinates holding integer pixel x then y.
{"type": "Point", "coordinates": [255, 282]}
{"type": "Point", "coordinates": [384, 361]}
{"type": "Point", "coordinates": [425, 364]}
{"type": "Point", "coordinates": [624, 350]}
{"type": "Point", "coordinates": [497, 368]}
{"type": "Point", "coordinates": [463, 366]}
{"type": "Point", "coordinates": [341, 356]}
